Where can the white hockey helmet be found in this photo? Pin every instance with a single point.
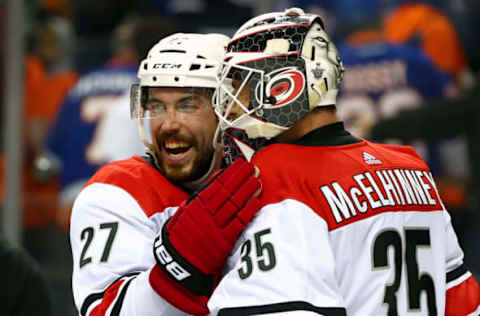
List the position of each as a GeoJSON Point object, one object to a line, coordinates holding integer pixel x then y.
{"type": "Point", "coordinates": [289, 66]}
{"type": "Point", "coordinates": [178, 60]}
{"type": "Point", "coordinates": [181, 60]}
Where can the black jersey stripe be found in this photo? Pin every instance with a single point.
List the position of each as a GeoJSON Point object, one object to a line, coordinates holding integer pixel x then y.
{"type": "Point", "coordinates": [282, 307]}
{"type": "Point", "coordinates": [117, 307]}
{"type": "Point", "coordinates": [456, 273]}
{"type": "Point", "coordinates": [89, 301]}
{"type": "Point", "coordinates": [92, 298]}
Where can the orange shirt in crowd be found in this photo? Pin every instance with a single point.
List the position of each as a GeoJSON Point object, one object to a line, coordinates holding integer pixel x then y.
{"type": "Point", "coordinates": [43, 92]}
{"type": "Point", "coordinates": [436, 33]}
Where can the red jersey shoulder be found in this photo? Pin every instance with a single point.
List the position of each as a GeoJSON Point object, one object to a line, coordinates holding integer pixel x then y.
{"type": "Point", "coordinates": [399, 155]}
{"type": "Point", "coordinates": [346, 183]}
{"type": "Point", "coordinates": [145, 184]}
{"type": "Point", "coordinates": [290, 171]}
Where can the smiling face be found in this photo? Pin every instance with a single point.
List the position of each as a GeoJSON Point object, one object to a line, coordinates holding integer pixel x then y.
{"type": "Point", "coordinates": [182, 131]}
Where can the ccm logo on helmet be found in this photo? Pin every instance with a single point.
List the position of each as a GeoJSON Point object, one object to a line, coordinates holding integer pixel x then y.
{"type": "Point", "coordinates": [165, 259]}
{"type": "Point", "coordinates": [167, 66]}
{"type": "Point", "coordinates": [285, 84]}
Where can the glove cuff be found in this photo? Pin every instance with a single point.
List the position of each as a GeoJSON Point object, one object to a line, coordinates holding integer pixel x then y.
{"type": "Point", "coordinates": [179, 269]}
{"type": "Point", "coordinates": [175, 294]}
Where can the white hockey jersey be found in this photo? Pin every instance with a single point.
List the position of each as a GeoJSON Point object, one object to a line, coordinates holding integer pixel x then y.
{"type": "Point", "coordinates": [115, 220]}
{"type": "Point", "coordinates": [348, 228]}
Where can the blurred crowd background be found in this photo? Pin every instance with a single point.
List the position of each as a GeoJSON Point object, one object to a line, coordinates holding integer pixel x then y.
{"type": "Point", "coordinates": [412, 72]}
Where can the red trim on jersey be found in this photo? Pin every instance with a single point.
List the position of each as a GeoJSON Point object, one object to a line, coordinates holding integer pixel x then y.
{"type": "Point", "coordinates": [176, 295]}
{"type": "Point", "coordinates": [463, 299]}
{"type": "Point", "coordinates": [108, 299]}
{"type": "Point", "coordinates": [145, 184]}
{"type": "Point", "coordinates": [303, 170]}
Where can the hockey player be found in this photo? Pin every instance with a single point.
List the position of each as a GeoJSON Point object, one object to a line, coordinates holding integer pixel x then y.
{"type": "Point", "coordinates": [72, 146]}
{"type": "Point", "coordinates": [348, 227]}
{"type": "Point", "coordinates": [141, 245]}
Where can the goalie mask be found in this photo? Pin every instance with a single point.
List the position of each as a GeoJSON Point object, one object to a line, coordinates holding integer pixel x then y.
{"type": "Point", "coordinates": [188, 61]}
{"type": "Point", "coordinates": [283, 65]}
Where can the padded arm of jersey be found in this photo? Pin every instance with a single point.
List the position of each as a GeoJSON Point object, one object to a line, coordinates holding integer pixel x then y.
{"type": "Point", "coordinates": [106, 215]}
{"type": "Point", "coordinates": [193, 245]}
{"type": "Point", "coordinates": [463, 298]}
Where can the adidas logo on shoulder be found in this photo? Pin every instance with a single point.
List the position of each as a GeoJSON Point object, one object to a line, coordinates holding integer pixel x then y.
{"type": "Point", "coordinates": [371, 159]}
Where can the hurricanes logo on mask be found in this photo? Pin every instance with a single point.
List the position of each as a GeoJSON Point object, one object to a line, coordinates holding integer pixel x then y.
{"type": "Point", "coordinates": [285, 85]}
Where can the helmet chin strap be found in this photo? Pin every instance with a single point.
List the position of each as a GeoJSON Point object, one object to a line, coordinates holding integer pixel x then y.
{"type": "Point", "coordinates": [149, 146]}
{"type": "Point", "coordinates": [215, 164]}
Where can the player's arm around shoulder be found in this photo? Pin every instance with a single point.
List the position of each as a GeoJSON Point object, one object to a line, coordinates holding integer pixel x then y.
{"type": "Point", "coordinates": [282, 262]}
{"type": "Point", "coordinates": [111, 239]}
